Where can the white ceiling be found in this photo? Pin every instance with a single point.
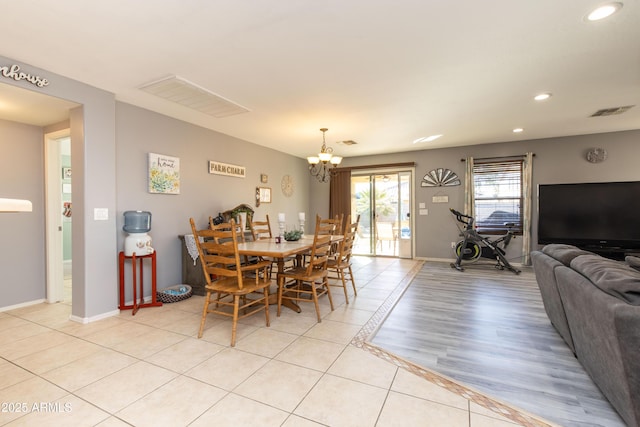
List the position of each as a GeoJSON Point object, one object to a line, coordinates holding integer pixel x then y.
{"type": "Point", "coordinates": [381, 73]}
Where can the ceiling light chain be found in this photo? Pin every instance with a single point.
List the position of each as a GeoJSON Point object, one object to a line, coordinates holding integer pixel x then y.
{"type": "Point", "coordinates": [319, 166]}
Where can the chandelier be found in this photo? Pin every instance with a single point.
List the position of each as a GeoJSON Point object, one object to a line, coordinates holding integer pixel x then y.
{"type": "Point", "coordinates": [320, 165]}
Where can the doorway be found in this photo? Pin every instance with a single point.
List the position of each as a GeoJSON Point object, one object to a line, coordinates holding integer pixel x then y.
{"type": "Point", "coordinates": [59, 211]}
{"type": "Point", "coordinates": [383, 201]}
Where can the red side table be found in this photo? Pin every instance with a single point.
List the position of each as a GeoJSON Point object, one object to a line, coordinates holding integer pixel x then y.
{"type": "Point", "coordinates": [138, 302]}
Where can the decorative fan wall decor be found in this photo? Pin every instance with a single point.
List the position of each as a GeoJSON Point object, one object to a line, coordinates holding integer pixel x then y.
{"type": "Point", "coordinates": [440, 178]}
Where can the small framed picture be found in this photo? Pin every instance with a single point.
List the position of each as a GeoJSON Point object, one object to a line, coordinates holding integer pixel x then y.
{"type": "Point", "coordinates": [264, 178]}
{"type": "Point", "coordinates": [66, 173]}
{"type": "Point", "coordinates": [265, 195]}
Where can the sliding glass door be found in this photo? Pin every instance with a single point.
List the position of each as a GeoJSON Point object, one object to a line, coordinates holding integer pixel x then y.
{"type": "Point", "coordinates": [383, 201]}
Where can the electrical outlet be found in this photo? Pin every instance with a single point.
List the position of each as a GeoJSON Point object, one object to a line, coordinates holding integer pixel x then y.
{"type": "Point", "coordinates": [453, 245]}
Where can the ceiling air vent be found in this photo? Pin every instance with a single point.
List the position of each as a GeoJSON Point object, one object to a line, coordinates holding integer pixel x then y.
{"type": "Point", "coordinates": [190, 95]}
{"type": "Point", "coordinates": [611, 111]}
{"type": "Point", "coordinates": [348, 142]}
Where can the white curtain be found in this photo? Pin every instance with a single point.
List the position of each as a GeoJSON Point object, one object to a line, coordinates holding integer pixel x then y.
{"type": "Point", "coordinates": [469, 200]}
{"type": "Point", "coordinates": [527, 176]}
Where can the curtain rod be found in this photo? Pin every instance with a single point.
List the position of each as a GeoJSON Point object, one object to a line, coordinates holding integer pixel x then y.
{"type": "Point", "coordinates": [387, 165]}
{"type": "Point", "coordinates": [499, 158]}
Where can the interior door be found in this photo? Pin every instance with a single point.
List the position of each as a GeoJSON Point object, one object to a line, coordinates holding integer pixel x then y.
{"type": "Point", "coordinates": [58, 216]}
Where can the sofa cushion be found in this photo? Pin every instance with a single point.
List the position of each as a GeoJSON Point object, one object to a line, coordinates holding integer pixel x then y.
{"type": "Point", "coordinates": [563, 253]}
{"type": "Point", "coordinates": [633, 262]}
{"type": "Point", "coordinates": [544, 267]}
{"type": "Point", "coordinates": [613, 277]}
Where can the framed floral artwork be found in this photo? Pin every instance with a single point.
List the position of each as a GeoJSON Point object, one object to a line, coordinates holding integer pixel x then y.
{"type": "Point", "coordinates": [164, 174]}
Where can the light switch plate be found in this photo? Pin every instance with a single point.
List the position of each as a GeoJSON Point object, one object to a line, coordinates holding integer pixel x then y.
{"type": "Point", "coordinates": [101, 214]}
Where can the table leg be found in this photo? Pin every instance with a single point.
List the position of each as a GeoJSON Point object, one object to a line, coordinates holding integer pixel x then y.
{"type": "Point", "coordinates": [273, 298]}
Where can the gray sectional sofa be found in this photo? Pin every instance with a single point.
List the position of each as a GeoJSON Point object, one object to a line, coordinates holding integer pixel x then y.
{"type": "Point", "coordinates": [594, 304]}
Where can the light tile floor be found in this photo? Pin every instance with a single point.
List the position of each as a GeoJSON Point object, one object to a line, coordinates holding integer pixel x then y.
{"type": "Point", "coordinates": [151, 370]}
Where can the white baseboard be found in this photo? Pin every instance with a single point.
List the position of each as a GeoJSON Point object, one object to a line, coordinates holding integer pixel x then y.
{"type": "Point", "coordinates": [85, 320]}
{"type": "Point", "coordinates": [22, 304]}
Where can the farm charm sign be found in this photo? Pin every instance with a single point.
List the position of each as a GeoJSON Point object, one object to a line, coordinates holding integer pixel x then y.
{"type": "Point", "coordinates": [13, 72]}
{"type": "Point", "coordinates": [218, 168]}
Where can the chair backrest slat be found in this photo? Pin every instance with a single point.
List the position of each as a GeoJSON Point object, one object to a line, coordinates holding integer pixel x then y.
{"type": "Point", "coordinates": [331, 225]}
{"type": "Point", "coordinates": [348, 239]}
{"type": "Point", "coordinates": [319, 250]}
{"type": "Point", "coordinates": [260, 229]}
{"type": "Point", "coordinates": [218, 251]}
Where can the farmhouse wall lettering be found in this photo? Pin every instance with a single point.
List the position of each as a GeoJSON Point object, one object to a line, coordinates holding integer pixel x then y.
{"type": "Point", "coordinates": [13, 72]}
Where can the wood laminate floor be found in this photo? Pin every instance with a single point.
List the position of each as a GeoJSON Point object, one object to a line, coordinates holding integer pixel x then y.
{"type": "Point", "coordinates": [488, 329]}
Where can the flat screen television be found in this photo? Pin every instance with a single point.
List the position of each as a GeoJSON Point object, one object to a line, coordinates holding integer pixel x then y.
{"type": "Point", "coordinates": [591, 215]}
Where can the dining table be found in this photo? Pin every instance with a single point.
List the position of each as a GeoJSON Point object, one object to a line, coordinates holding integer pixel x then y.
{"type": "Point", "coordinates": [279, 251]}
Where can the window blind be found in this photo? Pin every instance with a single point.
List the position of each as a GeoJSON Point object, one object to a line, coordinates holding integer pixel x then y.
{"type": "Point", "coordinates": [498, 195]}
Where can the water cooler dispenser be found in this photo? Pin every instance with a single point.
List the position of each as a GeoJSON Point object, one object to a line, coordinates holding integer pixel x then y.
{"type": "Point", "coordinates": [137, 224]}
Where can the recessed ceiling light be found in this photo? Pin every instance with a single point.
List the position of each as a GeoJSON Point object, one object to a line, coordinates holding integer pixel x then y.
{"type": "Point", "coordinates": [427, 139]}
{"type": "Point", "coordinates": [604, 11]}
{"type": "Point", "coordinates": [518, 130]}
{"type": "Point", "coordinates": [542, 96]}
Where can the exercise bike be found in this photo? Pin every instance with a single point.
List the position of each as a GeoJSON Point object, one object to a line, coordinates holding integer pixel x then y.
{"type": "Point", "coordinates": [473, 246]}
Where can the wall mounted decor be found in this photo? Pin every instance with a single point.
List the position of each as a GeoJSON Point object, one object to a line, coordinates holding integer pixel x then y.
{"type": "Point", "coordinates": [217, 168]}
{"type": "Point", "coordinates": [164, 174]}
{"type": "Point", "coordinates": [14, 72]}
{"type": "Point", "coordinates": [264, 178]}
{"type": "Point", "coordinates": [440, 178]}
{"type": "Point", "coordinates": [265, 194]}
{"type": "Point", "coordinates": [596, 155]}
{"type": "Point", "coordinates": [287, 185]}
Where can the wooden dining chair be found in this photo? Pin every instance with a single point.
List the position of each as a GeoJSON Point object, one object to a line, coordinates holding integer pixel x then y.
{"type": "Point", "coordinates": [240, 238]}
{"type": "Point", "coordinates": [306, 283]}
{"type": "Point", "coordinates": [328, 226]}
{"type": "Point", "coordinates": [341, 264]}
{"type": "Point", "coordinates": [260, 229]}
{"type": "Point", "coordinates": [232, 289]}
{"type": "Point", "coordinates": [331, 225]}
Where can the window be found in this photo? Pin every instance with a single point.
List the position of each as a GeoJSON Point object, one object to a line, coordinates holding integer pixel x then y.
{"type": "Point", "coordinates": [497, 189]}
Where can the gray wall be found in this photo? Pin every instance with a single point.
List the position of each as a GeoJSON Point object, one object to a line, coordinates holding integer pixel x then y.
{"type": "Point", "coordinates": [109, 146]}
{"type": "Point", "coordinates": [22, 262]}
{"type": "Point", "coordinates": [140, 132]}
{"type": "Point", "coordinates": [93, 150]}
{"type": "Point", "coordinates": [557, 160]}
